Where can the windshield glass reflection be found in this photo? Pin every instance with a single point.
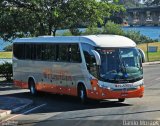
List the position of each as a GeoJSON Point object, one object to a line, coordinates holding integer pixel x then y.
{"type": "Point", "coordinates": [120, 64]}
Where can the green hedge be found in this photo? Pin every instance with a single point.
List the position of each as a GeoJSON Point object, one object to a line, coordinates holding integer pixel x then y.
{"type": "Point", "coordinates": [6, 71]}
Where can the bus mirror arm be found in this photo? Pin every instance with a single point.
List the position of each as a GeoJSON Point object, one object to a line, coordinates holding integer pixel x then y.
{"type": "Point", "coordinates": [97, 57]}
{"type": "Point", "coordinates": [142, 54]}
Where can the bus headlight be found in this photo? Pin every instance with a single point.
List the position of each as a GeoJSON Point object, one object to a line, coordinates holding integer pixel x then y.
{"type": "Point", "coordinates": [138, 87]}
{"type": "Point", "coordinates": [103, 86]}
{"type": "Point", "coordinates": [108, 88]}
{"type": "Point", "coordinates": [94, 88]}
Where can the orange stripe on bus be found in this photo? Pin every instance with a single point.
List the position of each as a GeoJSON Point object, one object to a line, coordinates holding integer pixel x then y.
{"type": "Point", "coordinates": [51, 88]}
{"type": "Point", "coordinates": [21, 84]}
{"type": "Point", "coordinates": [95, 93]}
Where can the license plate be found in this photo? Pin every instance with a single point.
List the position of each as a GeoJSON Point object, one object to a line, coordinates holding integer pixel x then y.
{"type": "Point", "coordinates": [124, 85]}
{"type": "Point", "coordinates": [124, 92]}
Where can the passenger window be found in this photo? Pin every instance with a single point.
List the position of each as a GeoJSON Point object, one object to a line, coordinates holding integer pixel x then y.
{"type": "Point", "coordinates": [28, 51]}
{"type": "Point", "coordinates": [90, 60]}
{"type": "Point", "coordinates": [38, 52]}
{"type": "Point", "coordinates": [48, 52]}
{"type": "Point", "coordinates": [33, 51]}
{"type": "Point", "coordinates": [74, 53]}
{"type": "Point", "coordinates": [19, 51]}
{"type": "Point", "coordinates": [63, 52]}
{"type": "Point", "coordinates": [45, 52]}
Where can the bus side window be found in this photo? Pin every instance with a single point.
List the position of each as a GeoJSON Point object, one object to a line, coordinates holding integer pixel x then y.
{"type": "Point", "coordinates": [19, 50]}
{"type": "Point", "coordinates": [52, 52]}
{"type": "Point", "coordinates": [91, 63]}
{"type": "Point", "coordinates": [87, 59]}
{"type": "Point", "coordinates": [28, 51]}
{"type": "Point", "coordinates": [74, 53]}
{"type": "Point", "coordinates": [90, 59]}
{"type": "Point", "coordinates": [63, 52]}
{"type": "Point", "coordinates": [33, 50]}
{"type": "Point", "coordinates": [38, 52]}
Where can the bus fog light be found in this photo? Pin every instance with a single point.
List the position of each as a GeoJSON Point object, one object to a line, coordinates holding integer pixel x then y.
{"type": "Point", "coordinates": [138, 87]}
{"type": "Point", "coordinates": [108, 88]}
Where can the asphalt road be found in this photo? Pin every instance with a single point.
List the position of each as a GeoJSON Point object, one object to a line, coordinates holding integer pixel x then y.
{"type": "Point", "coordinates": [60, 110]}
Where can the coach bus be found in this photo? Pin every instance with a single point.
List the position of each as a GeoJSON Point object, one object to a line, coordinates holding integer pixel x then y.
{"type": "Point", "coordinates": [90, 67]}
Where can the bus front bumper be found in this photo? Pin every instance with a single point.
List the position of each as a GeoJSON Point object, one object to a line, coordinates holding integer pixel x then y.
{"type": "Point", "coordinates": [103, 93]}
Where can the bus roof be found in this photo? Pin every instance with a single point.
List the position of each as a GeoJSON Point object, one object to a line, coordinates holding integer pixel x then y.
{"type": "Point", "coordinates": [95, 40]}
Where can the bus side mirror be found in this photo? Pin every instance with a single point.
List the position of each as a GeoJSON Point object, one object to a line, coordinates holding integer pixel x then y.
{"type": "Point", "coordinates": [97, 57]}
{"type": "Point", "coordinates": [142, 54]}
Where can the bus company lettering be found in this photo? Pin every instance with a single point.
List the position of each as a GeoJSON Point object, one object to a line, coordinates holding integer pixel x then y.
{"type": "Point", "coordinates": [57, 74]}
{"type": "Point", "coordinates": [124, 85]}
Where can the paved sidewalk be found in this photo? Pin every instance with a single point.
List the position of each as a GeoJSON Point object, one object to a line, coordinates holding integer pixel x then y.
{"type": "Point", "coordinates": [10, 105]}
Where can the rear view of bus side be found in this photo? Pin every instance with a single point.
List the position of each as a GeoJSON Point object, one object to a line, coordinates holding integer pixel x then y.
{"type": "Point", "coordinates": [95, 66]}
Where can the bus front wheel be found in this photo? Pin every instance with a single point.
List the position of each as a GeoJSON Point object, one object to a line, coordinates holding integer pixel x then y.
{"type": "Point", "coordinates": [32, 87]}
{"type": "Point", "coordinates": [82, 94]}
{"type": "Point", "coordinates": [121, 99]}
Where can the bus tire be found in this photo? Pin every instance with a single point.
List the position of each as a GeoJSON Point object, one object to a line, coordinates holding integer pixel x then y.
{"type": "Point", "coordinates": [121, 99]}
{"type": "Point", "coordinates": [32, 87]}
{"type": "Point", "coordinates": [82, 95]}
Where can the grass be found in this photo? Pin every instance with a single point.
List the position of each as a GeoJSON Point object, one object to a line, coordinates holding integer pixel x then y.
{"type": "Point", "coordinates": [5, 54]}
{"type": "Point", "coordinates": [152, 56]}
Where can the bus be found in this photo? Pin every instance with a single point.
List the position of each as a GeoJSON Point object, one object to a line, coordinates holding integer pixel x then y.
{"type": "Point", "coordinates": [90, 67]}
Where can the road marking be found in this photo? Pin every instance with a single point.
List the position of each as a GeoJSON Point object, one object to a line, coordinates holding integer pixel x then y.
{"type": "Point", "coordinates": [23, 113]}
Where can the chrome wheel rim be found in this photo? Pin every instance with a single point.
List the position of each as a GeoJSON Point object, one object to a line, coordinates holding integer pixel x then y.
{"type": "Point", "coordinates": [82, 94]}
{"type": "Point", "coordinates": [32, 89]}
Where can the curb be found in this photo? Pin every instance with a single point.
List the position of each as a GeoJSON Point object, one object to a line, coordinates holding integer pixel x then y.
{"type": "Point", "coordinates": [5, 113]}
{"type": "Point", "coordinates": [8, 112]}
{"type": "Point", "coordinates": [151, 63]}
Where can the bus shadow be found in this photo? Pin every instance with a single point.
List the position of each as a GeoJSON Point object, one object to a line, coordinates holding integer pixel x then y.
{"type": "Point", "coordinates": [63, 103]}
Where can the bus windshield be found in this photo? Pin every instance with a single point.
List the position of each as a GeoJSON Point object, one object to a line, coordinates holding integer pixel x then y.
{"type": "Point", "coordinates": [120, 65]}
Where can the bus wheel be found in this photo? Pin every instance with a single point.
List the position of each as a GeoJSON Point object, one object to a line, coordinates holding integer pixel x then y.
{"type": "Point", "coordinates": [121, 99]}
{"type": "Point", "coordinates": [32, 87]}
{"type": "Point", "coordinates": [82, 94]}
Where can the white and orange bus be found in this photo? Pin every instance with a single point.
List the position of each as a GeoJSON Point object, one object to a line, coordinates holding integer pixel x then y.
{"type": "Point", "coordinates": [95, 66]}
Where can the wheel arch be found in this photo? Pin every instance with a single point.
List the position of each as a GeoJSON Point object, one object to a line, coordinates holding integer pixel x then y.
{"type": "Point", "coordinates": [31, 78]}
{"type": "Point", "coordinates": [79, 84]}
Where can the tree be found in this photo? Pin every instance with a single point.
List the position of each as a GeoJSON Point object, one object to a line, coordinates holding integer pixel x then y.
{"type": "Point", "coordinates": [15, 20]}
{"type": "Point", "coordinates": [6, 70]}
{"type": "Point", "coordinates": [112, 28]}
{"type": "Point", "coordinates": [8, 48]}
{"type": "Point", "coordinates": [44, 17]}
